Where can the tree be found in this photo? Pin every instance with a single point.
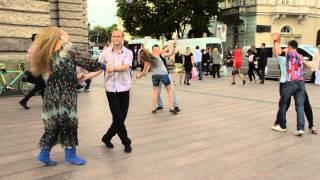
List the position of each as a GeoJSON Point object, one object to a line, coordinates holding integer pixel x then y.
{"type": "Point", "coordinates": [101, 34]}
{"type": "Point", "coordinates": [164, 17]}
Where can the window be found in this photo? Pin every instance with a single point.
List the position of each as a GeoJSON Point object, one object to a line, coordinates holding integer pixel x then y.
{"type": "Point", "coordinates": [286, 30]}
{"type": "Point", "coordinates": [305, 54]}
{"type": "Point", "coordinates": [269, 50]}
{"type": "Point", "coordinates": [287, 2]}
{"type": "Point", "coordinates": [263, 28]}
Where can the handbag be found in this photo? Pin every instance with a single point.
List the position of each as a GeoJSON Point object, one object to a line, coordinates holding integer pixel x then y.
{"type": "Point", "coordinates": [224, 70]}
{"type": "Point", "coordinates": [194, 73]}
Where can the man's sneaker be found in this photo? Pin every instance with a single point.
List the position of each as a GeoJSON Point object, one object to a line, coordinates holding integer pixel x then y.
{"type": "Point", "coordinates": [177, 109]}
{"type": "Point", "coordinates": [313, 130]}
{"type": "Point", "coordinates": [299, 133]}
{"type": "Point", "coordinates": [172, 111]}
{"type": "Point", "coordinates": [159, 108]}
{"type": "Point", "coordinates": [278, 128]}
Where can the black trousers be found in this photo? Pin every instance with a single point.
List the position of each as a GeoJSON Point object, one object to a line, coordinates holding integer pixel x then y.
{"type": "Point", "coordinates": [119, 105]}
{"type": "Point", "coordinates": [261, 72]}
{"type": "Point", "coordinates": [216, 70]}
{"type": "Point", "coordinates": [88, 82]}
{"type": "Point", "coordinates": [251, 71]}
{"type": "Point", "coordinates": [307, 109]}
{"type": "Point", "coordinates": [39, 86]}
{"type": "Point", "coordinates": [313, 77]}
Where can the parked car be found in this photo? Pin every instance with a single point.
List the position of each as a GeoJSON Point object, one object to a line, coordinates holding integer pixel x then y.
{"type": "Point", "coordinates": [273, 68]}
{"type": "Point", "coordinates": [95, 53]}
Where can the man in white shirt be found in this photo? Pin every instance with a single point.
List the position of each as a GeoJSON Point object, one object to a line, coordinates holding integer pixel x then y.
{"type": "Point", "coordinates": [117, 84]}
{"type": "Point", "coordinates": [198, 60]}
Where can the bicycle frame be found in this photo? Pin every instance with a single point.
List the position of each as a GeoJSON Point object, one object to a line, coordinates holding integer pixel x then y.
{"type": "Point", "coordinates": [12, 82]}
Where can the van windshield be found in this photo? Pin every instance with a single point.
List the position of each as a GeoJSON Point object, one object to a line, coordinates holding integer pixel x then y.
{"type": "Point", "coordinates": [311, 49]}
{"type": "Point", "coordinates": [215, 45]}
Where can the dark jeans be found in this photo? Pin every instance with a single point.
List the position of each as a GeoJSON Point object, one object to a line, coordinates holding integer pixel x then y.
{"type": "Point", "coordinates": [261, 72]}
{"type": "Point", "coordinates": [297, 90]}
{"type": "Point", "coordinates": [307, 109]}
{"type": "Point", "coordinates": [199, 66]}
{"type": "Point", "coordinates": [39, 86]}
{"type": "Point", "coordinates": [216, 70]}
{"type": "Point", "coordinates": [119, 105]}
{"type": "Point", "coordinates": [251, 71]}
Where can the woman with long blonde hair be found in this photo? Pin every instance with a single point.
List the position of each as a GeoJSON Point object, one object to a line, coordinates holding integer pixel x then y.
{"type": "Point", "coordinates": [188, 62]}
{"type": "Point", "coordinates": [55, 59]}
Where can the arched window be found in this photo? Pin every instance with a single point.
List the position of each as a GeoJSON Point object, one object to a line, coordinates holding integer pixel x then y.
{"type": "Point", "coordinates": [286, 30]}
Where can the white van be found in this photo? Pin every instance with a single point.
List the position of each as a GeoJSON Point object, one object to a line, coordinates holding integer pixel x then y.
{"type": "Point", "coordinates": [203, 43]}
{"type": "Point", "coordinates": [273, 70]}
{"type": "Point", "coordinates": [148, 43]}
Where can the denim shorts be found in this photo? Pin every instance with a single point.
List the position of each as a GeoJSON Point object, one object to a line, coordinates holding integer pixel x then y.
{"type": "Point", "coordinates": [164, 79]}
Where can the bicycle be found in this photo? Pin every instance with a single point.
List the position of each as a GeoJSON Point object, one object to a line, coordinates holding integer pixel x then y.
{"type": "Point", "coordinates": [24, 87]}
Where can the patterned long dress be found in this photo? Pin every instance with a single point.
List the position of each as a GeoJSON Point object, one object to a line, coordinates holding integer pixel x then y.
{"type": "Point", "coordinates": [59, 111]}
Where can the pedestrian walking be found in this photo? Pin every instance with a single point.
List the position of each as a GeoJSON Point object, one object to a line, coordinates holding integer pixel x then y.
{"type": "Point", "coordinates": [38, 82]}
{"type": "Point", "coordinates": [262, 62]}
{"type": "Point", "coordinates": [252, 62]}
{"type": "Point", "coordinates": [198, 61]}
{"type": "Point", "coordinates": [178, 64]}
{"type": "Point", "coordinates": [217, 62]}
{"type": "Point", "coordinates": [237, 55]}
{"type": "Point", "coordinates": [188, 62]}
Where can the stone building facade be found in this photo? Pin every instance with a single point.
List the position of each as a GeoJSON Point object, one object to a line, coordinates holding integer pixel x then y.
{"type": "Point", "coordinates": [19, 19]}
{"type": "Point", "coordinates": [254, 21]}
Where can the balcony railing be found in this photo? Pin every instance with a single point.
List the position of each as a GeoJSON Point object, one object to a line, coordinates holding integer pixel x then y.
{"type": "Point", "coordinates": [243, 3]}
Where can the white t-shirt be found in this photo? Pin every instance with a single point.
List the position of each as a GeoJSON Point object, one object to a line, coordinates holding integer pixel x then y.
{"type": "Point", "coordinates": [198, 56]}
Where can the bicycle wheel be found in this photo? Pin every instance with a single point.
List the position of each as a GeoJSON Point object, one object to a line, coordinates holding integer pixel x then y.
{"type": "Point", "coordinates": [1, 88]}
{"type": "Point", "coordinates": [25, 87]}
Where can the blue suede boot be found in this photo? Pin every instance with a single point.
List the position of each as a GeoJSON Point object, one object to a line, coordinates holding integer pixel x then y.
{"type": "Point", "coordinates": [72, 158]}
{"type": "Point", "coordinates": [44, 157]}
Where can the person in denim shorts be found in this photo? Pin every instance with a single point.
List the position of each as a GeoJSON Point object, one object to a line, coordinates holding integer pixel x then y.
{"type": "Point", "coordinates": [159, 73]}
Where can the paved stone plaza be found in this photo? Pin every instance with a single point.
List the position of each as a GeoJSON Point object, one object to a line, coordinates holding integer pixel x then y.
{"type": "Point", "coordinates": [223, 132]}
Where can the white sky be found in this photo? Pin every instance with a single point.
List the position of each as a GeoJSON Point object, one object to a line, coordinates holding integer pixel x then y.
{"type": "Point", "coordinates": [102, 12]}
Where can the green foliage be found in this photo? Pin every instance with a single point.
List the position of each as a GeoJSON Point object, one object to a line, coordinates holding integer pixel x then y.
{"type": "Point", "coordinates": [102, 34]}
{"type": "Point", "coordinates": [164, 17]}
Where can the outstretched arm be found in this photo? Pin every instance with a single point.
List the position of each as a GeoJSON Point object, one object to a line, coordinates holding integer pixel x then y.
{"type": "Point", "coordinates": [276, 44]}
{"type": "Point", "coordinates": [145, 70]}
{"type": "Point", "coordinates": [91, 75]}
{"type": "Point", "coordinates": [307, 64]}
